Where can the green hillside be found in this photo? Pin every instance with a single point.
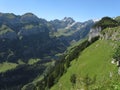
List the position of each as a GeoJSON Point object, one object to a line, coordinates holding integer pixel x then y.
{"type": "Point", "coordinates": [106, 22]}
{"type": "Point", "coordinates": [117, 19]}
{"type": "Point", "coordinates": [92, 70]}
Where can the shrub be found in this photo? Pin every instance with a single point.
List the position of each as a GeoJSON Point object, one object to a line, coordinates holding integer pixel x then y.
{"type": "Point", "coordinates": [73, 79]}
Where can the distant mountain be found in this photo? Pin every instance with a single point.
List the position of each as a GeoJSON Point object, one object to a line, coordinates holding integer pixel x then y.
{"type": "Point", "coordinates": [18, 33]}
{"type": "Point", "coordinates": [70, 30]}
{"type": "Point", "coordinates": [31, 35]}
{"type": "Point", "coordinates": [62, 23]}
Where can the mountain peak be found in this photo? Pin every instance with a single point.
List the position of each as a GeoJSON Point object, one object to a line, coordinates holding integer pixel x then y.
{"type": "Point", "coordinates": [7, 15]}
{"type": "Point", "coordinates": [29, 15]}
{"type": "Point", "coordinates": [96, 20]}
{"type": "Point", "coordinates": [68, 19]}
{"type": "Point", "coordinates": [106, 22]}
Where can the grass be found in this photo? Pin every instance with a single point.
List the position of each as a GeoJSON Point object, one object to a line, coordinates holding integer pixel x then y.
{"type": "Point", "coordinates": [72, 46]}
{"type": "Point", "coordinates": [94, 61]}
{"type": "Point", "coordinates": [4, 29]}
{"type": "Point", "coordinates": [5, 66]}
{"type": "Point", "coordinates": [33, 61]}
{"type": "Point", "coordinates": [64, 32]}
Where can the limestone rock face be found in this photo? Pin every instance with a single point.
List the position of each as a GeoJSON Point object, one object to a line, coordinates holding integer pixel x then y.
{"type": "Point", "coordinates": [111, 33]}
{"type": "Point", "coordinates": [94, 32]}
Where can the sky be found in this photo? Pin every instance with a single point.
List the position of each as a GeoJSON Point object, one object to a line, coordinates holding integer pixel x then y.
{"type": "Point", "coordinates": [79, 10]}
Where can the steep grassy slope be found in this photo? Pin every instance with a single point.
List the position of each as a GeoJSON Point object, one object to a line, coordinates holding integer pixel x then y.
{"type": "Point", "coordinates": [93, 69]}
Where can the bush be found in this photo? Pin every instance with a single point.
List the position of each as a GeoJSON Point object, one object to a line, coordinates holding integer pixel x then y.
{"type": "Point", "coordinates": [117, 54]}
{"type": "Point", "coordinates": [73, 79]}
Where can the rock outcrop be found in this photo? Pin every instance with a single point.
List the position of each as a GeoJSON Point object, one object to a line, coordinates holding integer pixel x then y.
{"type": "Point", "coordinates": [111, 33]}
{"type": "Point", "coordinates": [94, 32]}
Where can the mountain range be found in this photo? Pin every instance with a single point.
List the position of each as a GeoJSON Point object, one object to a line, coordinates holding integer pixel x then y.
{"type": "Point", "coordinates": [36, 54]}
{"type": "Point", "coordinates": [31, 44]}
{"type": "Point", "coordinates": [28, 36]}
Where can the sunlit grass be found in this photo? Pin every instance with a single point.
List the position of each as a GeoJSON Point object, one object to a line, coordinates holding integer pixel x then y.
{"type": "Point", "coordinates": [94, 61]}
{"type": "Point", "coordinates": [5, 66]}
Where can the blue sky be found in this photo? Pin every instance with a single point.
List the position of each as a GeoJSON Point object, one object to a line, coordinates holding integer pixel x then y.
{"type": "Point", "coordinates": [80, 10]}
